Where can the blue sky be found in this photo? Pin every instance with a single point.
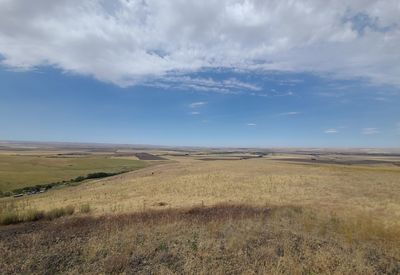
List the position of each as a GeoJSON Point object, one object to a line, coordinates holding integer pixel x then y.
{"type": "Point", "coordinates": [282, 109]}
{"type": "Point", "coordinates": [246, 73]}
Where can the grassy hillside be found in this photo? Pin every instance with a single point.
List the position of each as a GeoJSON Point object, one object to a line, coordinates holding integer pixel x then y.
{"type": "Point", "coordinates": [349, 190]}
{"type": "Point", "coordinates": [226, 216]}
{"type": "Point", "coordinates": [224, 239]}
{"type": "Point", "coordinates": [18, 171]}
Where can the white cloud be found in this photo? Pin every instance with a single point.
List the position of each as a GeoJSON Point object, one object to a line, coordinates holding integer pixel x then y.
{"type": "Point", "coordinates": [331, 131]}
{"type": "Point", "coordinates": [225, 86]}
{"type": "Point", "coordinates": [251, 124]}
{"type": "Point", "coordinates": [197, 104]}
{"type": "Point", "coordinates": [289, 114]}
{"type": "Point", "coordinates": [370, 131]}
{"type": "Point", "coordinates": [126, 42]}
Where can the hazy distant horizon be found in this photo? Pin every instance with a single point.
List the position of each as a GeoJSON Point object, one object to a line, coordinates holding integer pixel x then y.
{"type": "Point", "coordinates": [77, 144]}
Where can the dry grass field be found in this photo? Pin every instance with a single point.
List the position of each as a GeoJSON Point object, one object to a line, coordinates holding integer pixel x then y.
{"type": "Point", "coordinates": [189, 216]}
{"type": "Point", "coordinates": [349, 190]}
{"type": "Point", "coordinates": [223, 239]}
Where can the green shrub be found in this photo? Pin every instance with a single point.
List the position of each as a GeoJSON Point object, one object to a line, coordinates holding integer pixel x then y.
{"type": "Point", "coordinates": [99, 175]}
{"type": "Point", "coordinates": [78, 179]}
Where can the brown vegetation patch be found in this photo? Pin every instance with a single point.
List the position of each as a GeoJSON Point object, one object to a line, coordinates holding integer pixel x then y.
{"type": "Point", "coordinates": [341, 161]}
{"type": "Point", "coordinates": [224, 239]}
{"type": "Point", "coordinates": [147, 156]}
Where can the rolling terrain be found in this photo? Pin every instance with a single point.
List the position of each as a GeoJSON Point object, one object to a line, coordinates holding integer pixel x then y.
{"type": "Point", "coordinates": [239, 212]}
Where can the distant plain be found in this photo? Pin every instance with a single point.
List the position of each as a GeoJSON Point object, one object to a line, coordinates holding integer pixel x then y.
{"type": "Point", "coordinates": [339, 210]}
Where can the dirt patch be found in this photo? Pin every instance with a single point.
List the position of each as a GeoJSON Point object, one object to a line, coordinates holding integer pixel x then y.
{"type": "Point", "coordinates": [147, 156]}
{"type": "Point", "coordinates": [230, 158]}
{"type": "Point", "coordinates": [343, 162]}
{"type": "Point", "coordinates": [214, 159]}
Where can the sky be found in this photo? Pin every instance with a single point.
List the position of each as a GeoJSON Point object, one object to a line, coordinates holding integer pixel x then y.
{"type": "Point", "coordinates": [234, 73]}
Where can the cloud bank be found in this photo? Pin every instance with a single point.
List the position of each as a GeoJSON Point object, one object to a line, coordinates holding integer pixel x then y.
{"type": "Point", "coordinates": [126, 42]}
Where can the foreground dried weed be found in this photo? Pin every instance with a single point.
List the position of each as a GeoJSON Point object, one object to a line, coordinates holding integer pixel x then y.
{"type": "Point", "coordinates": [223, 239]}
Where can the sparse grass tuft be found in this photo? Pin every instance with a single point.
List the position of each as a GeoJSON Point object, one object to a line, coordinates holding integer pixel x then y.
{"type": "Point", "coordinates": [59, 212]}
{"type": "Point", "coordinates": [33, 215]}
{"type": "Point", "coordinates": [12, 216]}
{"type": "Point", "coordinates": [85, 208]}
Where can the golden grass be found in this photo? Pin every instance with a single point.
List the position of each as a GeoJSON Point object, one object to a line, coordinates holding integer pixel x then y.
{"type": "Point", "coordinates": [9, 215]}
{"type": "Point", "coordinates": [277, 218]}
{"type": "Point", "coordinates": [345, 190]}
{"type": "Point", "coordinates": [224, 239]}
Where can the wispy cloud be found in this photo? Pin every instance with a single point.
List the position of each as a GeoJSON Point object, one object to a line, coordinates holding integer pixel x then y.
{"type": "Point", "coordinates": [331, 131]}
{"type": "Point", "coordinates": [223, 86]}
{"type": "Point", "coordinates": [370, 131]}
{"type": "Point", "coordinates": [197, 104]}
{"type": "Point", "coordinates": [380, 98]}
{"type": "Point", "coordinates": [251, 124]}
{"type": "Point", "coordinates": [289, 114]}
